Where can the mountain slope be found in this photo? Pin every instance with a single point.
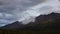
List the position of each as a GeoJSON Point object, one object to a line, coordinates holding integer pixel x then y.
{"type": "Point", "coordinates": [50, 21]}
{"type": "Point", "coordinates": [14, 25]}
{"type": "Point", "coordinates": [42, 22]}
{"type": "Point", "coordinates": [47, 17]}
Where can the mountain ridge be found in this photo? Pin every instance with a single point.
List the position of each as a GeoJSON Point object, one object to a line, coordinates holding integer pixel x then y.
{"type": "Point", "coordinates": [42, 22]}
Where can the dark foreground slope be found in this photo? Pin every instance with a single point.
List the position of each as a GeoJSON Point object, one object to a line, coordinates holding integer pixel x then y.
{"type": "Point", "coordinates": [44, 24]}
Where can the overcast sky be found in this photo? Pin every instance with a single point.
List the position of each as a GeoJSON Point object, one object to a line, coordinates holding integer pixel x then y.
{"type": "Point", "coordinates": [25, 10]}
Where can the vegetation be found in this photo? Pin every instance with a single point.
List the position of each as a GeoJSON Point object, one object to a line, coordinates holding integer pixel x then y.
{"type": "Point", "coordinates": [27, 32]}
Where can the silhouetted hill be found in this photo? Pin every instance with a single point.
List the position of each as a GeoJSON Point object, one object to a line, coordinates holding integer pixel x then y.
{"type": "Point", "coordinates": [42, 18]}
{"type": "Point", "coordinates": [42, 22]}
{"type": "Point", "coordinates": [14, 25]}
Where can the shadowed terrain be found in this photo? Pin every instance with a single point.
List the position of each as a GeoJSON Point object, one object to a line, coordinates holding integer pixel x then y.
{"type": "Point", "coordinates": [44, 23]}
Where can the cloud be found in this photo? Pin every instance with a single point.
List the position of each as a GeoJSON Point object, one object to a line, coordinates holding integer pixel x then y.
{"type": "Point", "coordinates": [25, 10]}
{"type": "Point", "coordinates": [13, 10]}
{"type": "Point", "coordinates": [42, 8]}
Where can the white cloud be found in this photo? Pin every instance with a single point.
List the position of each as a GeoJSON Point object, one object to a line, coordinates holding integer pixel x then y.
{"type": "Point", "coordinates": [12, 10]}
{"type": "Point", "coordinates": [42, 8]}
{"type": "Point", "coordinates": [26, 10]}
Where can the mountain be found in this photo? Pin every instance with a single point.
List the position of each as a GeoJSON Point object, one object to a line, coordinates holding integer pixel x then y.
{"type": "Point", "coordinates": [42, 22]}
{"type": "Point", "coordinates": [47, 17]}
{"type": "Point", "coordinates": [45, 22]}
{"type": "Point", "coordinates": [14, 25]}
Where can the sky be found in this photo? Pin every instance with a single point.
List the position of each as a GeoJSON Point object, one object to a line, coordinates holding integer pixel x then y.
{"type": "Point", "coordinates": [25, 11]}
